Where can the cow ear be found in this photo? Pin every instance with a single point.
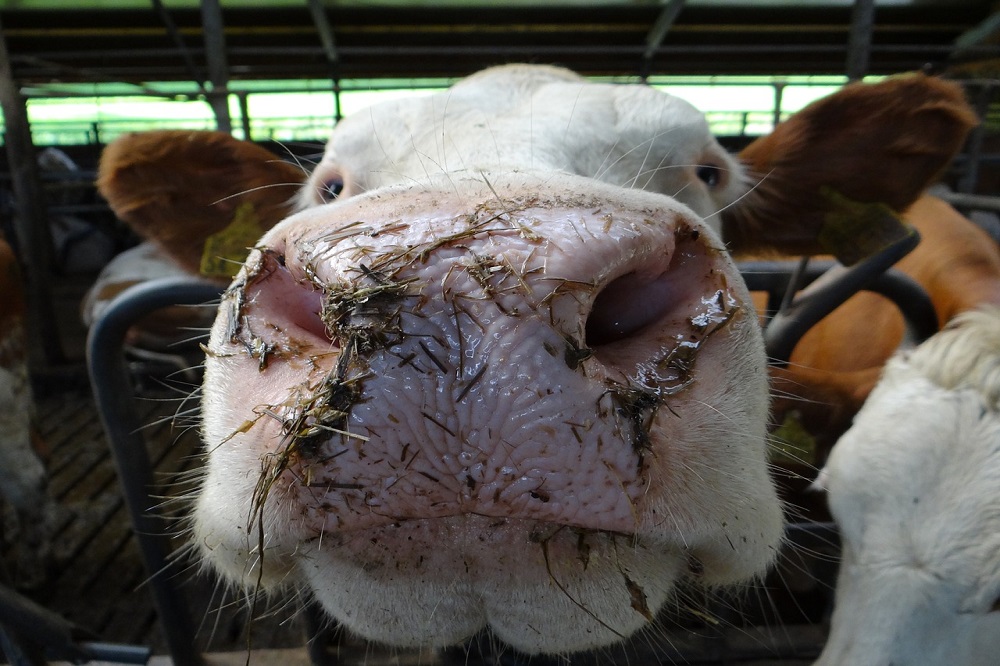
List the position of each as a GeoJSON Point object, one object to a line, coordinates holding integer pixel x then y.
{"type": "Point", "coordinates": [202, 197]}
{"type": "Point", "coordinates": [876, 144]}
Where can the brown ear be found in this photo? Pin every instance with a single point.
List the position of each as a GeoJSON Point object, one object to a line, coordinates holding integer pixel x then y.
{"type": "Point", "coordinates": [179, 188]}
{"type": "Point", "coordinates": [881, 143]}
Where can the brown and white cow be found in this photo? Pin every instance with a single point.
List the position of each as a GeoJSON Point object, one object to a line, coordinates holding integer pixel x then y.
{"type": "Point", "coordinates": [807, 172]}
{"type": "Point", "coordinates": [199, 200]}
{"type": "Point", "coordinates": [957, 263]}
{"type": "Point", "coordinates": [201, 197]}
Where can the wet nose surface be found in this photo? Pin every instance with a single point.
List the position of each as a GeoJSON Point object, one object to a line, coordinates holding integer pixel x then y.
{"type": "Point", "coordinates": [516, 402]}
{"type": "Point", "coordinates": [474, 354]}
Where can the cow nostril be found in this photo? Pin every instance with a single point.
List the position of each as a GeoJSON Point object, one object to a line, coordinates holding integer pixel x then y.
{"type": "Point", "coordinates": [660, 291]}
{"type": "Point", "coordinates": [308, 316]}
{"type": "Point", "coordinates": [285, 303]}
{"type": "Point", "coordinates": [627, 305]}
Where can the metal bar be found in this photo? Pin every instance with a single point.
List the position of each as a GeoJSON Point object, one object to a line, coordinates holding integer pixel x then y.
{"type": "Point", "coordinates": [218, 68]}
{"type": "Point", "coordinates": [830, 284]}
{"type": "Point", "coordinates": [31, 223]}
{"type": "Point", "coordinates": [319, 18]}
{"type": "Point", "coordinates": [90, 74]}
{"type": "Point", "coordinates": [245, 115]}
{"type": "Point", "coordinates": [325, 30]}
{"type": "Point", "coordinates": [33, 92]}
{"type": "Point", "coordinates": [657, 33]}
{"type": "Point", "coordinates": [337, 108]}
{"type": "Point", "coordinates": [175, 36]}
{"type": "Point", "coordinates": [33, 626]}
{"type": "Point", "coordinates": [451, 49]}
{"type": "Point", "coordinates": [971, 201]}
{"type": "Point", "coordinates": [976, 36]}
{"type": "Point", "coordinates": [859, 45]}
{"type": "Point", "coordinates": [974, 144]}
{"type": "Point", "coordinates": [276, 53]}
{"type": "Point", "coordinates": [779, 94]}
{"type": "Point", "coordinates": [796, 282]}
{"type": "Point", "coordinates": [25, 615]}
{"type": "Point", "coordinates": [113, 395]}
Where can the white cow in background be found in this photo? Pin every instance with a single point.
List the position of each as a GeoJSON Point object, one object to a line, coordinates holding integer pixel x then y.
{"type": "Point", "coordinates": [23, 478]}
{"type": "Point", "coordinates": [914, 486]}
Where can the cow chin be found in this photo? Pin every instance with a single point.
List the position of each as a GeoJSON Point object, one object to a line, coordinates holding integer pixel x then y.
{"type": "Point", "coordinates": [540, 588]}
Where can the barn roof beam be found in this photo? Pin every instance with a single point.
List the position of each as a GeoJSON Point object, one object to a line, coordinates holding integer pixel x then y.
{"type": "Point", "coordinates": [88, 74]}
{"type": "Point", "coordinates": [654, 39]}
{"type": "Point", "coordinates": [322, 23]}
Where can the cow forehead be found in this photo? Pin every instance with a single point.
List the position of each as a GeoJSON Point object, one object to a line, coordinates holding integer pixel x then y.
{"type": "Point", "coordinates": [521, 116]}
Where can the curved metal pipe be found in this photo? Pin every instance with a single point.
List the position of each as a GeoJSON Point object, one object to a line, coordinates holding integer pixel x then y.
{"type": "Point", "coordinates": [829, 285]}
{"type": "Point", "coordinates": [115, 403]}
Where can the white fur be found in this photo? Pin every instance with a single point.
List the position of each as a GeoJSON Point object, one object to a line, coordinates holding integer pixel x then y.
{"type": "Point", "coordinates": [137, 264]}
{"type": "Point", "coordinates": [23, 477]}
{"type": "Point", "coordinates": [915, 489]}
{"type": "Point", "coordinates": [159, 339]}
{"type": "Point", "coordinates": [537, 118]}
{"type": "Point", "coordinates": [702, 498]}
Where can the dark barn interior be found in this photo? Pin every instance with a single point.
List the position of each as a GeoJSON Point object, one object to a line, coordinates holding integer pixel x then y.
{"type": "Point", "coordinates": [96, 600]}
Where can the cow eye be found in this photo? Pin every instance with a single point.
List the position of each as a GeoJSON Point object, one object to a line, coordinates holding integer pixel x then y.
{"type": "Point", "coordinates": [995, 607]}
{"type": "Point", "coordinates": [710, 174]}
{"type": "Point", "coordinates": [331, 189]}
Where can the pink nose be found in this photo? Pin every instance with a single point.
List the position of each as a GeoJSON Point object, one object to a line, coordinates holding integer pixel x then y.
{"type": "Point", "coordinates": [500, 359]}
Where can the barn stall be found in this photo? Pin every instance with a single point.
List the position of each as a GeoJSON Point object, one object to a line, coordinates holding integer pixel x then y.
{"type": "Point", "coordinates": [112, 578]}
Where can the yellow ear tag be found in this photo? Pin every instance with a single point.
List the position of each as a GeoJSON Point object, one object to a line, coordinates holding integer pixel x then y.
{"type": "Point", "coordinates": [225, 251]}
{"type": "Point", "coordinates": [853, 230]}
{"type": "Point", "coordinates": [791, 443]}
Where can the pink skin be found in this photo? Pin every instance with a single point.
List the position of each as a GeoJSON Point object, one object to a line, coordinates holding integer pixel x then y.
{"type": "Point", "coordinates": [532, 434]}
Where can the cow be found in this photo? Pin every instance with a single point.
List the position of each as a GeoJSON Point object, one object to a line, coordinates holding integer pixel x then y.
{"type": "Point", "coordinates": [830, 375]}
{"type": "Point", "coordinates": [500, 370]}
{"type": "Point", "coordinates": [871, 145]}
{"type": "Point", "coordinates": [913, 486]}
{"type": "Point", "coordinates": [810, 180]}
{"type": "Point", "coordinates": [199, 200]}
{"type": "Point", "coordinates": [502, 380]}
{"type": "Point", "coordinates": [23, 477]}
{"type": "Point", "coordinates": [201, 197]}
